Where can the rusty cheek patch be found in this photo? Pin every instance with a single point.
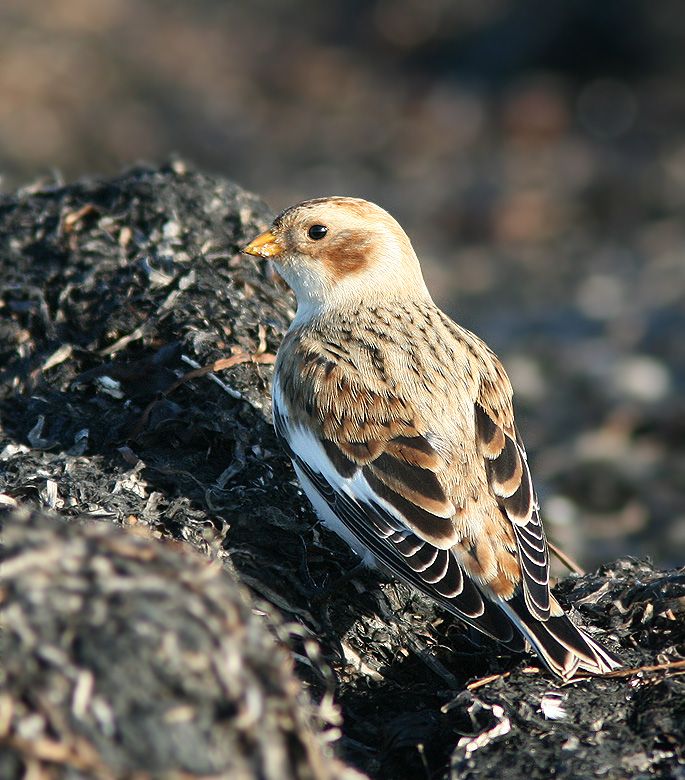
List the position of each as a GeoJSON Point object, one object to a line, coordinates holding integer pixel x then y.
{"type": "Point", "coordinates": [347, 254]}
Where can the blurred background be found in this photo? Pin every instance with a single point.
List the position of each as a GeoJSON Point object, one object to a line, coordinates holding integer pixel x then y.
{"type": "Point", "coordinates": [534, 151]}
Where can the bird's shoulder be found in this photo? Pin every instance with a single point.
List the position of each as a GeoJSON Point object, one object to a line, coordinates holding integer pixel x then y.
{"type": "Point", "coordinates": [391, 368]}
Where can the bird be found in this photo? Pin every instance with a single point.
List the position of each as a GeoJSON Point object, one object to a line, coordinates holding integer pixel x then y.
{"type": "Point", "coordinates": [400, 427]}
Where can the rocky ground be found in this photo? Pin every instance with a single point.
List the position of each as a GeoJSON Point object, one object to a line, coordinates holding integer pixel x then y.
{"type": "Point", "coordinates": [137, 346]}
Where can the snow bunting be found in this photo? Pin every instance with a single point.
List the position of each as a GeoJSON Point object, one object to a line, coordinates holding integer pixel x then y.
{"type": "Point", "coordinates": [400, 426]}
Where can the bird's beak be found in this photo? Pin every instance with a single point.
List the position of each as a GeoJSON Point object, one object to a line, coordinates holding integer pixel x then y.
{"type": "Point", "coordinates": [265, 245]}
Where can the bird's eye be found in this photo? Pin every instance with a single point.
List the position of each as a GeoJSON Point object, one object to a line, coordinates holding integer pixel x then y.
{"type": "Point", "coordinates": [317, 232]}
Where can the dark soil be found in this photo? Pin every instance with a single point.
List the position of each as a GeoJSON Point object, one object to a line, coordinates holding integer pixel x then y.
{"type": "Point", "coordinates": [112, 292]}
{"type": "Point", "coordinates": [125, 654]}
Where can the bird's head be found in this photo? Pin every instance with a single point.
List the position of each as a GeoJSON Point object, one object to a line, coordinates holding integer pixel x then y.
{"type": "Point", "coordinates": [339, 252]}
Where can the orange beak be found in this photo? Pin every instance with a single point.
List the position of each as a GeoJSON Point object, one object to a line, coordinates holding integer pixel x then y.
{"type": "Point", "coordinates": [265, 245]}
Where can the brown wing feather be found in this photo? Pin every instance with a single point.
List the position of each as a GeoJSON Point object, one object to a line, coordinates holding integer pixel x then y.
{"type": "Point", "coordinates": [434, 571]}
{"type": "Point", "coordinates": [362, 425]}
{"type": "Point", "coordinates": [509, 479]}
{"type": "Point", "coordinates": [413, 490]}
{"type": "Point", "coordinates": [423, 460]}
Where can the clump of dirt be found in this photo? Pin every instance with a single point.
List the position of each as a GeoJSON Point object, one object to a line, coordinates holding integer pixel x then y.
{"type": "Point", "coordinates": [124, 654]}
